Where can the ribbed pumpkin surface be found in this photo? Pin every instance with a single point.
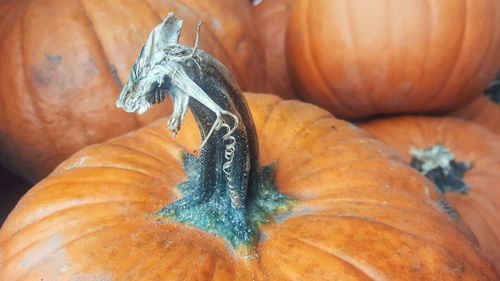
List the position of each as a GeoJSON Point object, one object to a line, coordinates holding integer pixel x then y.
{"type": "Point", "coordinates": [360, 58]}
{"type": "Point", "coordinates": [361, 214]}
{"type": "Point", "coordinates": [469, 143]}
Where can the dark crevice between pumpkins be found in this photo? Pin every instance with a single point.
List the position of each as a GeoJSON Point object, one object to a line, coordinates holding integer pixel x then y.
{"type": "Point", "coordinates": [227, 192]}
{"type": "Point", "coordinates": [438, 164]}
{"type": "Point", "coordinates": [493, 92]}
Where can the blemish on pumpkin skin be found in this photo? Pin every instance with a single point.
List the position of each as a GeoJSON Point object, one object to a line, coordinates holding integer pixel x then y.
{"type": "Point", "coordinates": [50, 257]}
{"type": "Point", "coordinates": [56, 59]}
{"type": "Point", "coordinates": [281, 218]}
{"type": "Point", "coordinates": [216, 25]}
{"type": "Point", "coordinates": [114, 75]}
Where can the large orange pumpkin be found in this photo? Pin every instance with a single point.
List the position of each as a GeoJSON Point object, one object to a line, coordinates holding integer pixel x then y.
{"type": "Point", "coordinates": [468, 143]}
{"type": "Point", "coordinates": [485, 109]}
{"type": "Point", "coordinates": [358, 212]}
{"type": "Point", "coordinates": [360, 58]}
{"type": "Point", "coordinates": [271, 18]}
{"type": "Point", "coordinates": [63, 62]}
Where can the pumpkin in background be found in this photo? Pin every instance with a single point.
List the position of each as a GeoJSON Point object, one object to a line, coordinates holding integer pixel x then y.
{"type": "Point", "coordinates": [485, 109]}
{"type": "Point", "coordinates": [63, 63]}
{"type": "Point", "coordinates": [361, 58]}
{"type": "Point", "coordinates": [271, 18]}
{"type": "Point", "coordinates": [468, 143]}
{"type": "Point", "coordinates": [358, 212]}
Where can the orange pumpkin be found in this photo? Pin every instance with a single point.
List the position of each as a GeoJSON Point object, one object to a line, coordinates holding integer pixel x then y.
{"type": "Point", "coordinates": [271, 18]}
{"type": "Point", "coordinates": [485, 109]}
{"type": "Point", "coordinates": [468, 143]}
{"type": "Point", "coordinates": [63, 63]}
{"type": "Point", "coordinates": [361, 58]}
{"type": "Point", "coordinates": [358, 212]}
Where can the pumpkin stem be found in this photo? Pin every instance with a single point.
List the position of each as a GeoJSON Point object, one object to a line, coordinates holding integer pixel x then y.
{"type": "Point", "coordinates": [438, 164]}
{"type": "Point", "coordinates": [226, 193]}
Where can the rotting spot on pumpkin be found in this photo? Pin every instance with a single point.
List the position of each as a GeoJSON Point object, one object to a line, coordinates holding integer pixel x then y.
{"type": "Point", "coordinates": [216, 25]}
{"type": "Point", "coordinates": [114, 75]}
{"type": "Point", "coordinates": [56, 59]}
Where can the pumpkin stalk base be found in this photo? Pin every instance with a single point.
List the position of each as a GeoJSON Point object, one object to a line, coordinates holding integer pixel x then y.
{"type": "Point", "coordinates": [438, 164]}
{"type": "Point", "coordinates": [213, 212]}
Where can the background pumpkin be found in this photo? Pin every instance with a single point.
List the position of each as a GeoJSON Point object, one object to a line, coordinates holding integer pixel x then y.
{"type": "Point", "coordinates": [63, 63]}
{"type": "Point", "coordinates": [271, 18]}
{"type": "Point", "coordinates": [361, 58]}
{"type": "Point", "coordinates": [469, 143]}
{"type": "Point", "coordinates": [360, 213]}
{"type": "Point", "coordinates": [485, 109]}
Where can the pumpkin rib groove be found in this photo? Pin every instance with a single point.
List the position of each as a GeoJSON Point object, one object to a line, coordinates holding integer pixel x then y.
{"type": "Point", "coordinates": [30, 93]}
{"type": "Point", "coordinates": [285, 275]}
{"type": "Point", "coordinates": [440, 90]}
{"type": "Point", "coordinates": [483, 60]}
{"type": "Point", "coordinates": [429, 216]}
{"type": "Point", "coordinates": [34, 243]}
{"type": "Point", "coordinates": [143, 152]}
{"type": "Point", "coordinates": [101, 48]}
{"type": "Point", "coordinates": [344, 258]}
{"type": "Point", "coordinates": [310, 37]}
{"type": "Point", "coordinates": [482, 215]}
{"type": "Point", "coordinates": [65, 244]}
{"type": "Point", "coordinates": [38, 220]}
{"type": "Point", "coordinates": [427, 49]}
{"type": "Point", "coordinates": [485, 54]}
{"type": "Point", "coordinates": [307, 45]}
{"type": "Point", "coordinates": [353, 43]}
{"type": "Point", "coordinates": [296, 179]}
{"type": "Point", "coordinates": [357, 201]}
{"type": "Point", "coordinates": [108, 166]}
{"type": "Point", "coordinates": [235, 73]}
{"type": "Point", "coordinates": [391, 228]}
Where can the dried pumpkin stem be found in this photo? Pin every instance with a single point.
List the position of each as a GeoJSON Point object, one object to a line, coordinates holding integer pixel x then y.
{"type": "Point", "coordinates": [438, 164]}
{"type": "Point", "coordinates": [227, 193]}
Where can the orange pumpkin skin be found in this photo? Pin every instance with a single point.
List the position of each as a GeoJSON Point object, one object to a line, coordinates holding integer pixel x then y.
{"type": "Point", "coordinates": [271, 18]}
{"type": "Point", "coordinates": [482, 111]}
{"type": "Point", "coordinates": [485, 109]}
{"type": "Point", "coordinates": [469, 143]}
{"type": "Point", "coordinates": [360, 213]}
{"type": "Point", "coordinates": [361, 58]}
{"type": "Point", "coordinates": [63, 64]}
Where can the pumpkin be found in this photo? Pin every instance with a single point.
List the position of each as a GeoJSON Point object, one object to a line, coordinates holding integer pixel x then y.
{"type": "Point", "coordinates": [271, 18]}
{"type": "Point", "coordinates": [63, 64]}
{"type": "Point", "coordinates": [473, 154]}
{"type": "Point", "coordinates": [485, 109]}
{"type": "Point", "coordinates": [361, 58]}
{"type": "Point", "coordinates": [290, 194]}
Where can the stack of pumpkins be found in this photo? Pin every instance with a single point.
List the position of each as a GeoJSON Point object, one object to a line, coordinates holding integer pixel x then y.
{"type": "Point", "coordinates": [359, 207]}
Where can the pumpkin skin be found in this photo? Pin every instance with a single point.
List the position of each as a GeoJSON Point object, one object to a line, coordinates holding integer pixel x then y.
{"type": "Point", "coordinates": [271, 18]}
{"type": "Point", "coordinates": [469, 143]}
{"type": "Point", "coordinates": [485, 109]}
{"type": "Point", "coordinates": [361, 58]}
{"type": "Point", "coordinates": [63, 64]}
{"type": "Point", "coordinates": [360, 213]}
